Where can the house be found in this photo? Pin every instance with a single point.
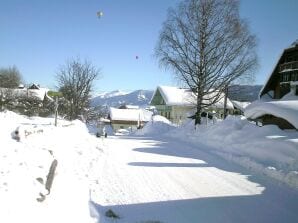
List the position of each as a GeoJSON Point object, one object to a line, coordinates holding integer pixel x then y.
{"type": "Point", "coordinates": [284, 78]}
{"type": "Point", "coordinates": [21, 86]}
{"type": "Point", "coordinates": [177, 104]}
{"type": "Point", "coordinates": [278, 99]}
{"type": "Point", "coordinates": [32, 92]}
{"type": "Point", "coordinates": [128, 118]}
{"type": "Point", "coordinates": [34, 87]}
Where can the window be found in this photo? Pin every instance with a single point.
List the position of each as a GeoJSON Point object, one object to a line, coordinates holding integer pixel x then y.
{"type": "Point", "coordinates": [285, 77]}
{"type": "Point", "coordinates": [296, 93]}
{"type": "Point", "coordinates": [295, 76]}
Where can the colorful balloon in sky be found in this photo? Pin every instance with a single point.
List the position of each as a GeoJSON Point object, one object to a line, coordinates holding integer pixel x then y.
{"type": "Point", "coordinates": [99, 14]}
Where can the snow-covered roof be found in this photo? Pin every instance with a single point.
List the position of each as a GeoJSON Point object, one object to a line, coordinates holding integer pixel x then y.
{"type": "Point", "coordinates": [129, 114]}
{"type": "Point", "coordinates": [24, 92]}
{"type": "Point", "coordinates": [185, 97]}
{"type": "Point", "coordinates": [220, 103]}
{"type": "Point", "coordinates": [176, 96]}
{"type": "Point", "coordinates": [285, 109]}
{"type": "Point", "coordinates": [241, 105]}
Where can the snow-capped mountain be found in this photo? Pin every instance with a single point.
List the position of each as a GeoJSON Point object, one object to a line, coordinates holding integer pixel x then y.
{"type": "Point", "coordinates": [110, 94]}
{"type": "Point", "coordinates": [118, 98]}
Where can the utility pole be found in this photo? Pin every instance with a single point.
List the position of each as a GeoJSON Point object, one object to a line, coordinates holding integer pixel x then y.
{"type": "Point", "coordinates": [225, 101]}
{"type": "Point", "coordinates": [56, 110]}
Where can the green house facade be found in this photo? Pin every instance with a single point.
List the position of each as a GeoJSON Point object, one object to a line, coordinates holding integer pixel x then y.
{"type": "Point", "coordinates": [177, 104]}
{"type": "Point", "coordinates": [175, 112]}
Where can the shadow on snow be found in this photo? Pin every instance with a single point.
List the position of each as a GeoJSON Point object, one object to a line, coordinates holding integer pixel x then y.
{"type": "Point", "coordinates": [276, 204]}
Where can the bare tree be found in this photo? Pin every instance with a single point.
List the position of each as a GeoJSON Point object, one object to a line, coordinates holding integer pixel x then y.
{"type": "Point", "coordinates": [10, 77]}
{"type": "Point", "coordinates": [208, 46]}
{"type": "Point", "coordinates": [75, 82]}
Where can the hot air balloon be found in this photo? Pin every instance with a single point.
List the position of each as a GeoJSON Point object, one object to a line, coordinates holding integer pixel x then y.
{"type": "Point", "coordinates": [99, 14]}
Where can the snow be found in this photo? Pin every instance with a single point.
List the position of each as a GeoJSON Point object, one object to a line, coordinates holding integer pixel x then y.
{"type": "Point", "coordinates": [166, 175]}
{"type": "Point", "coordinates": [112, 94]}
{"type": "Point", "coordinates": [220, 103]}
{"type": "Point", "coordinates": [119, 98]}
{"type": "Point", "coordinates": [176, 96]}
{"type": "Point", "coordinates": [22, 162]}
{"type": "Point", "coordinates": [285, 108]}
{"type": "Point", "coordinates": [156, 126]}
{"type": "Point", "coordinates": [244, 143]}
{"type": "Point", "coordinates": [287, 70]}
{"type": "Point", "coordinates": [241, 105]}
{"type": "Point", "coordinates": [130, 114]}
{"type": "Point", "coordinates": [33, 93]}
{"type": "Point", "coordinates": [185, 97]}
{"type": "Point", "coordinates": [240, 141]}
{"type": "Point", "coordinates": [126, 114]}
{"type": "Point", "coordinates": [132, 106]}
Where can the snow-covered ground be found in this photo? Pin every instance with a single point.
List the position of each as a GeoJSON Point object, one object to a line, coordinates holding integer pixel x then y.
{"type": "Point", "coordinates": [23, 162]}
{"type": "Point", "coordinates": [145, 178]}
{"type": "Point", "coordinates": [157, 179]}
{"type": "Point", "coordinates": [267, 150]}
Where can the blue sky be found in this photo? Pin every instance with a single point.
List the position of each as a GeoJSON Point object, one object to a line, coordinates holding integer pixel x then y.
{"type": "Point", "coordinates": [40, 35]}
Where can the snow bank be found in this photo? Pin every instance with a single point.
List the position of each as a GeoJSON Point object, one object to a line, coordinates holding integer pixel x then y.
{"type": "Point", "coordinates": [286, 109]}
{"type": "Point", "coordinates": [156, 126]}
{"type": "Point", "coordinates": [267, 150]}
{"type": "Point", "coordinates": [241, 105]}
{"type": "Point", "coordinates": [25, 164]}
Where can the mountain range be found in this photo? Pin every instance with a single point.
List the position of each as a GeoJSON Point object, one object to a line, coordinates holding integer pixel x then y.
{"type": "Point", "coordinates": [142, 98]}
{"type": "Point", "coordinates": [117, 98]}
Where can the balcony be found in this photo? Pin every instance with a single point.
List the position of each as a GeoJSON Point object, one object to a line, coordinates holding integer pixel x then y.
{"type": "Point", "coordinates": [289, 66]}
{"type": "Point", "coordinates": [290, 76]}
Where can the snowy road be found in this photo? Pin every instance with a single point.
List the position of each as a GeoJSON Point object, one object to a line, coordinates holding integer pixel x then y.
{"type": "Point", "coordinates": [153, 180]}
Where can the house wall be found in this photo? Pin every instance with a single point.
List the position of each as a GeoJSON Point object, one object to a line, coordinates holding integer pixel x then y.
{"type": "Point", "coordinates": [119, 124]}
{"type": "Point", "coordinates": [176, 114]}
{"type": "Point", "coordinates": [181, 113]}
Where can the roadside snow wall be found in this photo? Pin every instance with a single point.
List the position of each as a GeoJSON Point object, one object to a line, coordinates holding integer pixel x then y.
{"type": "Point", "coordinates": [266, 150]}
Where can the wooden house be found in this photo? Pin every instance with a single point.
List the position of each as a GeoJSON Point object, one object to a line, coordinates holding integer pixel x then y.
{"type": "Point", "coordinates": [278, 99]}
{"type": "Point", "coordinates": [284, 77]}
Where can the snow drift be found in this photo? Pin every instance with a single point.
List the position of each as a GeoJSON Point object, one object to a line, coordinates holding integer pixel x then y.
{"type": "Point", "coordinates": [156, 126]}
